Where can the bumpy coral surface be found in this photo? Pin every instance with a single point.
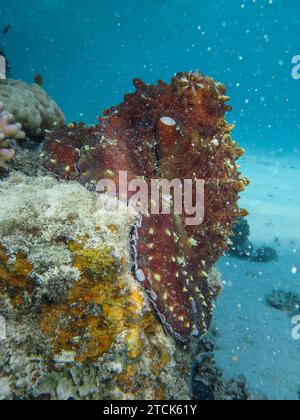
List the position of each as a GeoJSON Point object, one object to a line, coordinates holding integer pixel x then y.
{"type": "Point", "coordinates": [78, 325]}
{"type": "Point", "coordinates": [10, 131]}
{"type": "Point", "coordinates": [31, 106]}
{"type": "Point", "coordinates": [175, 131]}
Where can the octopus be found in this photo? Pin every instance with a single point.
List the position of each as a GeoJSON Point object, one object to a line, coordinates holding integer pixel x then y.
{"type": "Point", "coordinates": [165, 131]}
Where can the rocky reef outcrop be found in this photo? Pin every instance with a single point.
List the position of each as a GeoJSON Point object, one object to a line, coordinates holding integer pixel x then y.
{"type": "Point", "coordinates": [78, 325]}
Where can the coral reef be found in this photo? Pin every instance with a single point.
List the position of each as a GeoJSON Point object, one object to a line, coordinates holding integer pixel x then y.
{"type": "Point", "coordinates": [175, 131]}
{"type": "Point", "coordinates": [31, 106]}
{"type": "Point", "coordinates": [78, 325]}
{"type": "Point", "coordinates": [10, 132]}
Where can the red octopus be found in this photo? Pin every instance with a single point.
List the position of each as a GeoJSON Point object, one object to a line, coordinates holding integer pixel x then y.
{"type": "Point", "coordinates": [175, 131]}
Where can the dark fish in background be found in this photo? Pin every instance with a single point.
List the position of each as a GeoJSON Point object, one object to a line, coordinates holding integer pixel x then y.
{"type": "Point", "coordinates": [38, 79]}
{"type": "Point", "coordinates": [6, 29]}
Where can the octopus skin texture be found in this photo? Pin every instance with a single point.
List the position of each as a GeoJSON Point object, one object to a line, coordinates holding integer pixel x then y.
{"type": "Point", "coordinates": [167, 131]}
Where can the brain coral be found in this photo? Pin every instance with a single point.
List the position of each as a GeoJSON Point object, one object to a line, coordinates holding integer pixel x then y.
{"type": "Point", "coordinates": [175, 131]}
{"type": "Point", "coordinates": [10, 131]}
{"type": "Point", "coordinates": [31, 106]}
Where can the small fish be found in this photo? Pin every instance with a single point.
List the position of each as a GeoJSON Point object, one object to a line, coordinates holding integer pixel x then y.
{"type": "Point", "coordinates": [6, 29]}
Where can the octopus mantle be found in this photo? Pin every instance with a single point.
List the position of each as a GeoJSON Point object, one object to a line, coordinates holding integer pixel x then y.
{"type": "Point", "coordinates": [175, 131]}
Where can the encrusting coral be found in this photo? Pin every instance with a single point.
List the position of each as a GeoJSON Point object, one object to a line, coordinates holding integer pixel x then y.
{"type": "Point", "coordinates": [78, 324]}
{"type": "Point", "coordinates": [10, 132]}
{"type": "Point", "coordinates": [31, 106]}
{"type": "Point", "coordinates": [175, 131]}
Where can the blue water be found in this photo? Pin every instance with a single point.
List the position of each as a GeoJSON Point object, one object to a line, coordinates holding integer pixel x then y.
{"type": "Point", "coordinates": [89, 52]}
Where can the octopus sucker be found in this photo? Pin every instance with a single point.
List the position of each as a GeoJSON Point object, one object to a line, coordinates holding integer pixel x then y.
{"type": "Point", "coordinates": [165, 131]}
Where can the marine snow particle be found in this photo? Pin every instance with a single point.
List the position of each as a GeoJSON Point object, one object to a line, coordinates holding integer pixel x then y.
{"type": "Point", "coordinates": [294, 270]}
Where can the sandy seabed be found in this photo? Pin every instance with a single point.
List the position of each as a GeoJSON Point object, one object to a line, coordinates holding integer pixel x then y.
{"type": "Point", "coordinates": [255, 340]}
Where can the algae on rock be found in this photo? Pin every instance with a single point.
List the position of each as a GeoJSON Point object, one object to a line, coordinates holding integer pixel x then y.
{"type": "Point", "coordinates": [78, 324]}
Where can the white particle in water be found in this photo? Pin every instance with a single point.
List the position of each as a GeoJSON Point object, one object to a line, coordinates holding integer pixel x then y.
{"type": "Point", "coordinates": [294, 270]}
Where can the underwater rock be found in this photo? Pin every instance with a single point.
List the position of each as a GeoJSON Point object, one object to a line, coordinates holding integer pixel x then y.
{"type": "Point", "coordinates": [175, 131]}
{"type": "Point", "coordinates": [31, 106]}
{"type": "Point", "coordinates": [243, 251]}
{"type": "Point", "coordinates": [241, 246]}
{"type": "Point", "coordinates": [208, 383]}
{"type": "Point", "coordinates": [240, 232]}
{"type": "Point", "coordinates": [240, 235]}
{"type": "Point", "coordinates": [264, 254]}
{"type": "Point", "coordinates": [10, 132]}
{"type": "Point", "coordinates": [202, 391]}
{"type": "Point", "coordinates": [284, 301]}
{"type": "Point", "coordinates": [78, 325]}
